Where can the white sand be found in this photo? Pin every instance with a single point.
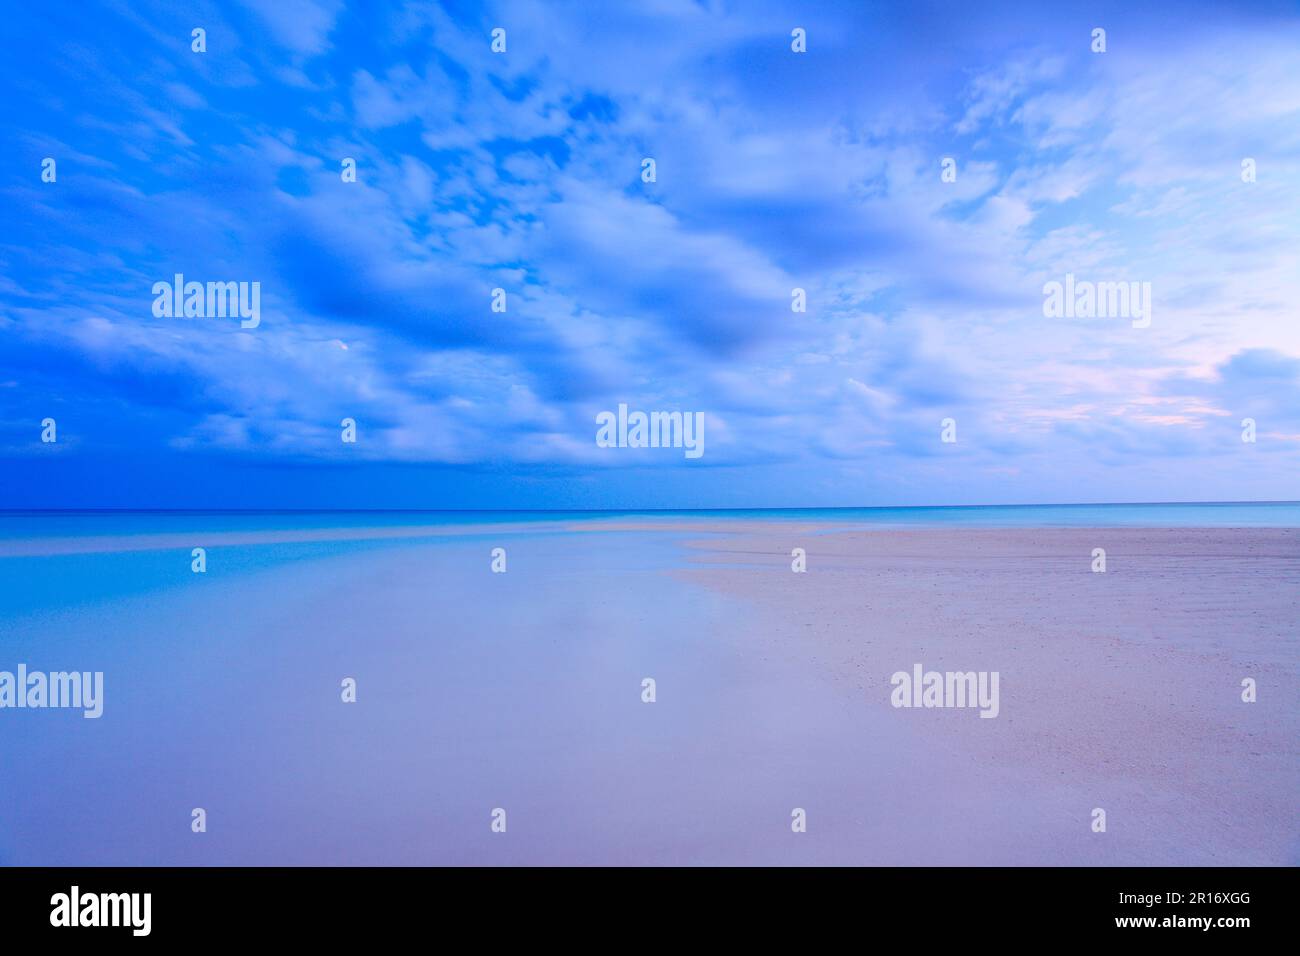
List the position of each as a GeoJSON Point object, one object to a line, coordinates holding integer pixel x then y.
{"type": "Point", "coordinates": [1118, 690]}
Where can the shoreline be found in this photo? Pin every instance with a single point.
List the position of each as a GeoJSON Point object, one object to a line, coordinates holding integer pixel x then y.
{"type": "Point", "coordinates": [55, 545]}
{"type": "Point", "coordinates": [1118, 690]}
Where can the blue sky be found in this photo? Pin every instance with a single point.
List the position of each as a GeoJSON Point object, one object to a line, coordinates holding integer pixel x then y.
{"type": "Point", "coordinates": [522, 171]}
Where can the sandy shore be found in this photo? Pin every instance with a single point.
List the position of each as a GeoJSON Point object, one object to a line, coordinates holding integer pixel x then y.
{"type": "Point", "coordinates": [1120, 690]}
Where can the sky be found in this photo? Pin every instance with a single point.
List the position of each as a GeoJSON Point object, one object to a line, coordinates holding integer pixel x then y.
{"type": "Point", "coordinates": [523, 171]}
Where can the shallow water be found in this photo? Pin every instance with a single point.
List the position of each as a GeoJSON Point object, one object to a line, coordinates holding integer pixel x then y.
{"type": "Point", "coordinates": [475, 691]}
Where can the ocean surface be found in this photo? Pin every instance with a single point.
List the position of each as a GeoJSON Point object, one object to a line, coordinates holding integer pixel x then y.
{"type": "Point", "coordinates": [1283, 514]}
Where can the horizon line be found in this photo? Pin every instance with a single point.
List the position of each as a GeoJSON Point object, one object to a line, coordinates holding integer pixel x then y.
{"type": "Point", "coordinates": [284, 511]}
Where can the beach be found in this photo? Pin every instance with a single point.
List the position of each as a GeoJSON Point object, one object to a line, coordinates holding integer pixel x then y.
{"type": "Point", "coordinates": [524, 692]}
{"type": "Point", "coordinates": [1120, 689]}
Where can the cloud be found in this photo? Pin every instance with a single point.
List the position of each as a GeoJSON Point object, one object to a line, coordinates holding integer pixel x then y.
{"type": "Point", "coordinates": [775, 171]}
{"type": "Point", "coordinates": [303, 26]}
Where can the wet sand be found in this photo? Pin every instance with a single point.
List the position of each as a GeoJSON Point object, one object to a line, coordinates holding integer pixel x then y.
{"type": "Point", "coordinates": [1120, 690]}
{"type": "Point", "coordinates": [524, 691]}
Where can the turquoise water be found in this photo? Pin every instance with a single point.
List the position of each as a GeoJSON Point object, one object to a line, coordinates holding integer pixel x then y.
{"type": "Point", "coordinates": [24, 524]}
{"type": "Point", "coordinates": [31, 583]}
